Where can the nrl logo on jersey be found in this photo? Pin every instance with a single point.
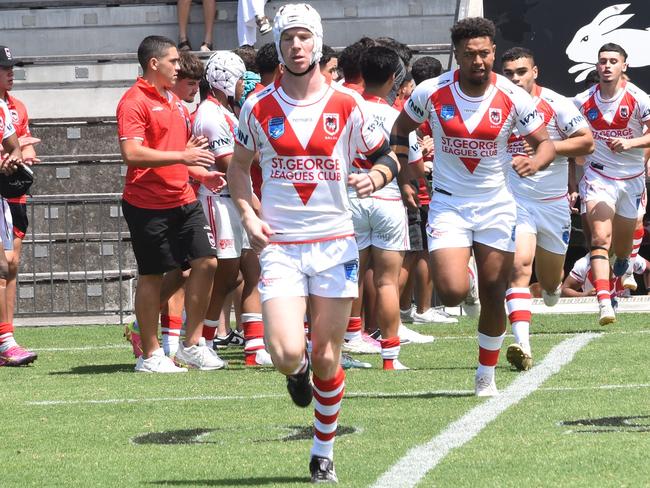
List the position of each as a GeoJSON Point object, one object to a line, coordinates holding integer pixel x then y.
{"type": "Point", "coordinates": [592, 114]}
{"type": "Point", "coordinates": [276, 127]}
{"type": "Point", "coordinates": [331, 123]}
{"type": "Point", "coordinates": [495, 116]}
{"type": "Point", "coordinates": [447, 112]}
{"type": "Point", "coordinates": [624, 111]}
{"type": "Point", "coordinates": [14, 116]}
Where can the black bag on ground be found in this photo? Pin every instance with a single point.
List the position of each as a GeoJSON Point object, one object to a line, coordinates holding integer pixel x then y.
{"type": "Point", "coordinates": [16, 184]}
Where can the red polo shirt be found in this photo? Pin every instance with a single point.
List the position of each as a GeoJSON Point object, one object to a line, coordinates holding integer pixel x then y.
{"type": "Point", "coordinates": [20, 120]}
{"type": "Point", "coordinates": [162, 124]}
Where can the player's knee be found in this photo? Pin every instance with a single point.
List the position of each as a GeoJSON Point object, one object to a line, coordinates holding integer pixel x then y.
{"type": "Point", "coordinates": [285, 360]}
{"type": "Point", "coordinates": [324, 359]}
{"type": "Point", "coordinates": [452, 296]}
{"type": "Point", "coordinates": [4, 269]}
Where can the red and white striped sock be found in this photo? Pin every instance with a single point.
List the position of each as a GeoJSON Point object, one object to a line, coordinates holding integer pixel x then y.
{"type": "Point", "coordinates": [170, 326]}
{"type": "Point", "coordinates": [518, 304]}
{"type": "Point", "coordinates": [389, 351]}
{"type": "Point", "coordinates": [209, 331]}
{"type": "Point", "coordinates": [488, 353]}
{"type": "Point", "coordinates": [7, 336]}
{"type": "Point", "coordinates": [353, 332]}
{"type": "Point", "coordinates": [253, 335]}
{"type": "Point", "coordinates": [328, 395]}
{"type": "Point", "coordinates": [602, 290]}
{"type": "Point", "coordinates": [637, 238]}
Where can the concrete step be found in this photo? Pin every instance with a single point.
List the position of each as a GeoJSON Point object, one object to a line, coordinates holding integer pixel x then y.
{"type": "Point", "coordinates": [99, 173]}
{"type": "Point", "coordinates": [76, 137]}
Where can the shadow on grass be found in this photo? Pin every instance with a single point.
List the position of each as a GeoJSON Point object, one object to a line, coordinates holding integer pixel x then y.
{"type": "Point", "coordinates": [97, 369]}
{"type": "Point", "coordinates": [233, 481]}
{"type": "Point", "coordinates": [423, 395]}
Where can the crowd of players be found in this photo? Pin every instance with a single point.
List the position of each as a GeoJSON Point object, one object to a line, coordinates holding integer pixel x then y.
{"type": "Point", "coordinates": [320, 206]}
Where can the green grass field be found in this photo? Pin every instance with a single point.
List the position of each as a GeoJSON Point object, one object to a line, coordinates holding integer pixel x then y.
{"type": "Point", "coordinates": [80, 417]}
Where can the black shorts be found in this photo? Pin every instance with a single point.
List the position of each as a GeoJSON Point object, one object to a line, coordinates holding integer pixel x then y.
{"type": "Point", "coordinates": [19, 217]}
{"type": "Point", "coordinates": [163, 240]}
{"type": "Point", "coordinates": [415, 234]}
{"type": "Point", "coordinates": [424, 216]}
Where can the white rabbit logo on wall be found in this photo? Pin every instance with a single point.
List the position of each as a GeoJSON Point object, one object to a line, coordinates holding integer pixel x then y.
{"type": "Point", "coordinates": [583, 48]}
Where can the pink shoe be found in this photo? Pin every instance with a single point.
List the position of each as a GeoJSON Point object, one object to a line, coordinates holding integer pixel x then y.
{"type": "Point", "coordinates": [17, 356]}
{"type": "Point", "coordinates": [133, 337]}
{"type": "Point", "coordinates": [366, 338]}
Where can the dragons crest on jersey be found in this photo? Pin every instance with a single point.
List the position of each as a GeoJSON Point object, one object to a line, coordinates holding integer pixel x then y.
{"type": "Point", "coordinates": [2, 126]}
{"type": "Point", "coordinates": [14, 116]}
{"type": "Point", "coordinates": [276, 127]}
{"type": "Point", "coordinates": [624, 111]}
{"type": "Point", "coordinates": [331, 123]}
{"type": "Point", "coordinates": [495, 116]}
{"type": "Point", "coordinates": [447, 112]}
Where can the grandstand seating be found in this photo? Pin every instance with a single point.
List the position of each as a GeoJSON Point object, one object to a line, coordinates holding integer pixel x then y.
{"type": "Point", "coordinates": [79, 59]}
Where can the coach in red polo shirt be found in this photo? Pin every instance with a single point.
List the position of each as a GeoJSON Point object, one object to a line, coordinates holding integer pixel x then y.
{"type": "Point", "coordinates": [166, 222]}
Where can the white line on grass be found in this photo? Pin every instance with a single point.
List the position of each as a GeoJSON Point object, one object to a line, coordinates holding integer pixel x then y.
{"type": "Point", "coordinates": [82, 348]}
{"type": "Point", "coordinates": [417, 462]}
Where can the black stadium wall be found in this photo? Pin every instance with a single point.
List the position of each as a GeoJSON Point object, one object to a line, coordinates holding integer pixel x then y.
{"type": "Point", "coordinates": [565, 36]}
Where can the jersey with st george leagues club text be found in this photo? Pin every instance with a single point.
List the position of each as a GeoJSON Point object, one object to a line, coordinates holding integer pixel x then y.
{"type": "Point", "coordinates": [306, 148]}
{"type": "Point", "coordinates": [623, 117]}
{"type": "Point", "coordinates": [218, 124]}
{"type": "Point", "coordinates": [471, 133]}
{"type": "Point", "coordinates": [562, 120]}
{"type": "Point", "coordinates": [385, 115]}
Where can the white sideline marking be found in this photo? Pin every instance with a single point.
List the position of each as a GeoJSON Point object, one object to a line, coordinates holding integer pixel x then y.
{"type": "Point", "coordinates": [418, 461]}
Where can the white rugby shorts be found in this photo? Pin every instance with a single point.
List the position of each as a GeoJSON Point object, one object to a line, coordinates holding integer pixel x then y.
{"type": "Point", "coordinates": [380, 223]}
{"type": "Point", "coordinates": [549, 220]}
{"type": "Point", "coordinates": [626, 197]}
{"type": "Point", "coordinates": [226, 225]}
{"type": "Point", "coordinates": [460, 221]}
{"type": "Point", "coordinates": [326, 268]}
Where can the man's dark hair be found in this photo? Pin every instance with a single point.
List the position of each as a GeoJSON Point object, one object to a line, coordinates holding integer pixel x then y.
{"type": "Point", "coordinates": [402, 50]}
{"type": "Point", "coordinates": [328, 53]}
{"type": "Point", "coordinates": [515, 53]}
{"type": "Point", "coordinates": [349, 58]}
{"type": "Point", "coordinates": [377, 65]}
{"type": "Point", "coordinates": [247, 54]}
{"type": "Point", "coordinates": [615, 48]}
{"type": "Point", "coordinates": [472, 27]}
{"type": "Point", "coordinates": [425, 68]}
{"type": "Point", "coordinates": [153, 47]}
{"type": "Point", "coordinates": [592, 79]}
{"type": "Point", "coordinates": [266, 58]}
{"type": "Point", "coordinates": [191, 67]}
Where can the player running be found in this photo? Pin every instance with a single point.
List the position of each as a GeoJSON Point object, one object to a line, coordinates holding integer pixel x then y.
{"type": "Point", "coordinates": [543, 212]}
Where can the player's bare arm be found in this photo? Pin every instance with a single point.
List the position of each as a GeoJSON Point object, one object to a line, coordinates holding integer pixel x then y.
{"type": "Point", "coordinates": [580, 143]}
{"type": "Point", "coordinates": [137, 155]}
{"type": "Point", "coordinates": [239, 182]}
{"type": "Point", "coordinates": [13, 156]}
{"type": "Point", "coordinates": [385, 167]}
{"type": "Point", "coordinates": [617, 144]}
{"type": "Point", "coordinates": [544, 154]}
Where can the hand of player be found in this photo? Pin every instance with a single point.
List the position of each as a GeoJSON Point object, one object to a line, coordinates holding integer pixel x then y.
{"type": "Point", "coordinates": [214, 180]}
{"type": "Point", "coordinates": [525, 166]}
{"type": "Point", "coordinates": [573, 198]}
{"type": "Point", "coordinates": [200, 142]}
{"type": "Point", "coordinates": [9, 164]}
{"type": "Point", "coordinates": [258, 232]}
{"type": "Point", "coordinates": [409, 196]}
{"type": "Point", "coordinates": [528, 149]}
{"type": "Point", "coordinates": [426, 144]}
{"type": "Point", "coordinates": [617, 145]}
{"type": "Point", "coordinates": [362, 184]}
{"type": "Point", "coordinates": [31, 161]}
{"type": "Point", "coordinates": [198, 157]}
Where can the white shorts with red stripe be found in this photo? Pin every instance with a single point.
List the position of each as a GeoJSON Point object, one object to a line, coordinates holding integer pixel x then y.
{"type": "Point", "coordinates": [626, 197]}
{"type": "Point", "coordinates": [380, 223]}
{"type": "Point", "coordinates": [226, 225]}
{"type": "Point", "coordinates": [325, 268]}
{"type": "Point", "coordinates": [459, 222]}
{"type": "Point", "coordinates": [549, 220]}
{"type": "Point", "coordinates": [6, 226]}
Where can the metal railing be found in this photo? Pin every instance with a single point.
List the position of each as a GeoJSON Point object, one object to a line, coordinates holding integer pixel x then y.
{"type": "Point", "coordinates": [76, 257]}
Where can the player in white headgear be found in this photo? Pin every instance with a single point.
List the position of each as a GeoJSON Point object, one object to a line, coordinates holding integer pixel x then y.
{"type": "Point", "coordinates": [306, 132]}
{"type": "Point", "coordinates": [215, 121]}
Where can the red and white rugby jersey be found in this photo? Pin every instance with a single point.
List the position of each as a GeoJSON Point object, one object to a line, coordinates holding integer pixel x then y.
{"type": "Point", "coordinates": [385, 116]}
{"type": "Point", "coordinates": [471, 133]}
{"type": "Point", "coordinates": [7, 128]}
{"type": "Point", "coordinates": [581, 272]}
{"type": "Point", "coordinates": [306, 149]}
{"type": "Point", "coordinates": [218, 124]}
{"type": "Point", "coordinates": [562, 120]}
{"type": "Point", "coordinates": [623, 116]}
